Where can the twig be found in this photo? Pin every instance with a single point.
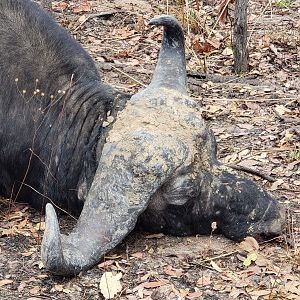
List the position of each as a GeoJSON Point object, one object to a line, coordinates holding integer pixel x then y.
{"type": "Point", "coordinates": [279, 116]}
{"type": "Point", "coordinates": [46, 166]}
{"type": "Point", "coordinates": [137, 81]}
{"type": "Point", "coordinates": [202, 265]}
{"type": "Point", "coordinates": [270, 240]}
{"type": "Point", "coordinates": [195, 54]}
{"type": "Point", "coordinates": [286, 120]}
{"type": "Point", "coordinates": [223, 83]}
{"type": "Point", "coordinates": [252, 171]}
{"type": "Point", "coordinates": [102, 14]}
{"type": "Point", "coordinates": [243, 79]}
{"type": "Point", "coordinates": [283, 149]}
{"type": "Point", "coordinates": [61, 209]}
{"type": "Point", "coordinates": [262, 13]}
{"type": "Point", "coordinates": [219, 17]}
{"type": "Point", "coordinates": [249, 100]}
{"type": "Point", "coordinates": [187, 16]}
{"type": "Point", "coordinates": [217, 257]}
{"type": "Point", "coordinates": [121, 38]}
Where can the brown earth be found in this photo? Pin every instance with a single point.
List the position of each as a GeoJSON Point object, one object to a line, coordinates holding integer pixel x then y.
{"type": "Point", "coordinates": [255, 118]}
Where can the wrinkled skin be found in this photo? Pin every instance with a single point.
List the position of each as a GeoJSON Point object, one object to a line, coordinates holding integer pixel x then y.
{"type": "Point", "coordinates": [155, 164]}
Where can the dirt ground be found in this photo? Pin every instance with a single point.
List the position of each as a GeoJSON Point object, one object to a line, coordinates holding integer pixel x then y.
{"type": "Point", "coordinates": [256, 120]}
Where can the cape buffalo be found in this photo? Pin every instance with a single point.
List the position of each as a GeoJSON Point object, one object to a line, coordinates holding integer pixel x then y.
{"type": "Point", "coordinates": [69, 139]}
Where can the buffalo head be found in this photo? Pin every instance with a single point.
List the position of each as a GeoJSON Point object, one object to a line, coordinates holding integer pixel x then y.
{"type": "Point", "coordinates": [159, 165]}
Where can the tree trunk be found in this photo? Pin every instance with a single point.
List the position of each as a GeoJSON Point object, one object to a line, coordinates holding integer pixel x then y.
{"type": "Point", "coordinates": [240, 50]}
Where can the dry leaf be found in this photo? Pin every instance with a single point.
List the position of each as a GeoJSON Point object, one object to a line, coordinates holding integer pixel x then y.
{"type": "Point", "coordinates": [213, 226]}
{"type": "Point", "coordinates": [41, 265]}
{"type": "Point", "coordinates": [137, 255]}
{"type": "Point", "coordinates": [82, 19]}
{"type": "Point", "coordinates": [40, 226]}
{"type": "Point", "coordinates": [122, 54]}
{"type": "Point", "coordinates": [183, 293]}
{"type": "Point", "coordinates": [35, 290]}
{"type": "Point", "coordinates": [5, 282]}
{"type": "Point", "coordinates": [145, 277]}
{"type": "Point", "coordinates": [155, 236]}
{"type": "Point", "coordinates": [215, 266]}
{"type": "Point", "coordinates": [215, 43]}
{"type": "Point", "coordinates": [138, 288]}
{"type": "Point", "coordinates": [172, 272]}
{"type": "Point", "coordinates": [252, 105]}
{"type": "Point", "coordinates": [251, 257]}
{"type": "Point", "coordinates": [84, 6]}
{"type": "Point", "coordinates": [140, 24]}
{"type": "Point", "coordinates": [276, 184]}
{"type": "Point", "coordinates": [204, 280]}
{"type": "Point", "coordinates": [29, 253]}
{"type": "Point", "coordinates": [213, 108]}
{"type": "Point", "coordinates": [291, 288]}
{"type": "Point", "coordinates": [21, 286]}
{"type": "Point", "coordinates": [223, 11]}
{"type": "Point", "coordinates": [245, 126]}
{"type": "Point", "coordinates": [262, 261]}
{"type": "Point", "coordinates": [203, 48]}
{"type": "Point", "coordinates": [153, 284]}
{"type": "Point", "coordinates": [59, 5]}
{"type": "Point", "coordinates": [249, 244]}
{"type": "Point", "coordinates": [287, 137]}
{"type": "Point", "coordinates": [133, 62]}
{"type": "Point", "coordinates": [110, 284]}
{"type": "Point", "coordinates": [194, 295]}
{"type": "Point", "coordinates": [227, 52]}
{"type": "Point", "coordinates": [256, 294]}
{"type": "Point", "coordinates": [105, 264]}
{"type": "Point", "coordinates": [58, 287]}
{"type": "Point", "coordinates": [253, 242]}
{"type": "Point", "coordinates": [230, 158]}
{"type": "Point", "coordinates": [281, 110]}
{"type": "Point", "coordinates": [273, 49]}
{"type": "Point", "coordinates": [235, 293]}
{"type": "Point", "coordinates": [250, 163]}
{"type": "Point", "coordinates": [7, 232]}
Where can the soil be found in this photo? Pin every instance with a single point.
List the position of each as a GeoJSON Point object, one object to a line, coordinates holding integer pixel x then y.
{"type": "Point", "coordinates": [255, 118]}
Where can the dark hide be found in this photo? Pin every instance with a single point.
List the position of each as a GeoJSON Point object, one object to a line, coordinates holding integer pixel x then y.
{"type": "Point", "coordinates": [237, 214]}
{"type": "Point", "coordinates": [156, 161]}
{"type": "Point", "coordinates": [52, 105]}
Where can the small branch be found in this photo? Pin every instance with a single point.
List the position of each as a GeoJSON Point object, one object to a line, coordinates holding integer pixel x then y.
{"type": "Point", "coordinates": [219, 256]}
{"type": "Point", "coordinates": [218, 19]}
{"type": "Point", "coordinates": [200, 263]}
{"type": "Point", "coordinates": [282, 149]}
{"type": "Point", "coordinates": [252, 171]}
{"type": "Point", "coordinates": [248, 100]}
{"type": "Point", "coordinates": [286, 120]}
{"type": "Point", "coordinates": [137, 81]}
{"type": "Point", "coordinates": [102, 14]}
{"type": "Point", "coordinates": [249, 79]}
{"type": "Point", "coordinates": [55, 205]}
{"type": "Point", "coordinates": [256, 20]}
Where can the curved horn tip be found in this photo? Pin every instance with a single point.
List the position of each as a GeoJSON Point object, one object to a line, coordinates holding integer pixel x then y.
{"type": "Point", "coordinates": [51, 217]}
{"type": "Point", "coordinates": [165, 20]}
{"type": "Point", "coordinates": [51, 250]}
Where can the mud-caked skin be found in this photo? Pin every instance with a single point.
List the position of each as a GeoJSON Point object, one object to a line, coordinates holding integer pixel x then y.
{"type": "Point", "coordinates": [69, 139]}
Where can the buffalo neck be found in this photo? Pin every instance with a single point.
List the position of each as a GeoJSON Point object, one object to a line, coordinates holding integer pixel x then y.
{"type": "Point", "coordinates": [68, 141]}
